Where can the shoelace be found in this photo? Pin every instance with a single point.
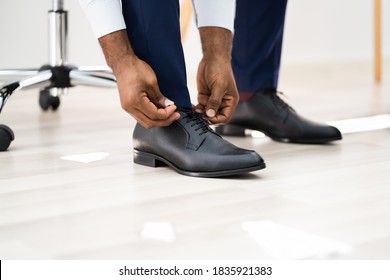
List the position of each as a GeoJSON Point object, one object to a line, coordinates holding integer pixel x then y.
{"type": "Point", "coordinates": [197, 121]}
{"type": "Point", "coordinates": [276, 99]}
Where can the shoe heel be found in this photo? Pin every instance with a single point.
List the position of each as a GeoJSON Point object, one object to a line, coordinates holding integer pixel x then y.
{"type": "Point", "coordinates": [146, 159]}
{"type": "Point", "coordinates": [230, 130]}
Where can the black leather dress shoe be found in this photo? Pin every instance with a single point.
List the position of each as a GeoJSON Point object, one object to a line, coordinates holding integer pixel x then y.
{"type": "Point", "coordinates": [192, 148]}
{"type": "Point", "coordinates": [267, 113]}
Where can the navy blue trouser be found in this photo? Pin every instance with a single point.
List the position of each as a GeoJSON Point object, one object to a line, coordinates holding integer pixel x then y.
{"type": "Point", "coordinates": [154, 31]}
{"type": "Point", "coordinates": [257, 43]}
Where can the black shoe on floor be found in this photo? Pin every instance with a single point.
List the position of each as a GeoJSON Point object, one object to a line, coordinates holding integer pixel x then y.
{"type": "Point", "coordinates": [192, 148]}
{"type": "Point", "coordinates": [267, 113]}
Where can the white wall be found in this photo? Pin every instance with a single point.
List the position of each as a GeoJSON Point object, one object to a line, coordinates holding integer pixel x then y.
{"type": "Point", "coordinates": [332, 30]}
{"type": "Point", "coordinates": [24, 35]}
{"type": "Point", "coordinates": [315, 31]}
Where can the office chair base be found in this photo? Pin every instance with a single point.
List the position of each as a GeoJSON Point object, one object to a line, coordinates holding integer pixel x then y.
{"type": "Point", "coordinates": [53, 79]}
{"type": "Point", "coordinates": [52, 82]}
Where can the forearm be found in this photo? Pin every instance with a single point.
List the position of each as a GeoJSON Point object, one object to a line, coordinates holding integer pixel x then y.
{"type": "Point", "coordinates": [117, 50]}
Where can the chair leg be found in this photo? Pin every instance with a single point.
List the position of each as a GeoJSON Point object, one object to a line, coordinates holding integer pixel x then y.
{"type": "Point", "coordinates": [52, 79]}
{"type": "Point", "coordinates": [40, 79]}
{"type": "Point", "coordinates": [16, 74]}
{"type": "Point", "coordinates": [96, 68]}
{"type": "Point", "coordinates": [89, 78]}
{"type": "Point", "coordinates": [44, 79]}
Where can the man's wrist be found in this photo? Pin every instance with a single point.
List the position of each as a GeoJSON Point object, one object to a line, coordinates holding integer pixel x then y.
{"type": "Point", "coordinates": [216, 43]}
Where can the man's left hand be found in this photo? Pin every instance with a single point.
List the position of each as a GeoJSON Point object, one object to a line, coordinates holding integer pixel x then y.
{"type": "Point", "coordinates": [217, 92]}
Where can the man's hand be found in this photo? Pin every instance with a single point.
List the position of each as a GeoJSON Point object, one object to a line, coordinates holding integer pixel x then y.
{"type": "Point", "coordinates": [217, 91]}
{"type": "Point", "coordinates": [137, 83]}
{"type": "Point", "coordinates": [141, 97]}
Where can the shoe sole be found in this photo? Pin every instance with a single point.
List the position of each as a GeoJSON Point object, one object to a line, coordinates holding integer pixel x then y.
{"type": "Point", "coordinates": [239, 131]}
{"type": "Point", "coordinates": [152, 160]}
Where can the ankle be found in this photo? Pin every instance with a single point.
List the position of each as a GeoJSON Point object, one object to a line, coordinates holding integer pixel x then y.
{"type": "Point", "coordinates": [246, 95]}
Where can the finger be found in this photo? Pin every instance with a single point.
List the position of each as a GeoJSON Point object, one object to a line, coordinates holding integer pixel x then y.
{"type": "Point", "coordinates": [154, 113]}
{"type": "Point", "coordinates": [149, 109]}
{"type": "Point", "coordinates": [199, 108]}
{"type": "Point", "coordinates": [214, 101]}
{"type": "Point", "coordinates": [202, 102]}
{"type": "Point", "coordinates": [157, 97]}
{"type": "Point", "coordinates": [219, 118]}
{"type": "Point", "coordinates": [225, 112]}
{"type": "Point", "coordinates": [147, 122]}
{"type": "Point", "coordinates": [203, 91]}
{"type": "Point", "coordinates": [203, 97]}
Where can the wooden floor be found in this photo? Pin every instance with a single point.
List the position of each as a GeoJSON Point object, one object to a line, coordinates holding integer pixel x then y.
{"type": "Point", "coordinates": [311, 202]}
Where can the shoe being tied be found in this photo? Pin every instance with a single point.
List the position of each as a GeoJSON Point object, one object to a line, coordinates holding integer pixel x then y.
{"type": "Point", "coordinates": [268, 113]}
{"type": "Point", "coordinates": [192, 148]}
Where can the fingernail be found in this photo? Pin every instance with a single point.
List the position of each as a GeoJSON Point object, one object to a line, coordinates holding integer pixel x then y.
{"type": "Point", "coordinates": [168, 102]}
{"type": "Point", "coordinates": [210, 113]}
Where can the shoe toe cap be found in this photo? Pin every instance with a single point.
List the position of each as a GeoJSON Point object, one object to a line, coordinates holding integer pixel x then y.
{"type": "Point", "coordinates": [326, 133]}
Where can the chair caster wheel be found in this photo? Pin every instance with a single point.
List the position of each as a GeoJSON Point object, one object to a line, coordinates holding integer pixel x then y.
{"type": "Point", "coordinates": [6, 137]}
{"type": "Point", "coordinates": [47, 101]}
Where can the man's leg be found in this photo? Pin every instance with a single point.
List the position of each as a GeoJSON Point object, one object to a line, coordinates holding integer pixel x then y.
{"type": "Point", "coordinates": [154, 31]}
{"type": "Point", "coordinates": [256, 57]}
{"type": "Point", "coordinates": [257, 44]}
{"type": "Point", "coordinates": [188, 143]}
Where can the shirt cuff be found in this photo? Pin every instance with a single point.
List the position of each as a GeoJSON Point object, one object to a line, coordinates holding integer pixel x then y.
{"type": "Point", "coordinates": [104, 16]}
{"type": "Point", "coordinates": [219, 13]}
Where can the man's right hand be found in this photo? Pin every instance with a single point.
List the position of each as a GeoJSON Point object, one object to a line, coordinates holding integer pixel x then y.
{"type": "Point", "coordinates": [141, 97]}
{"type": "Point", "coordinates": [139, 93]}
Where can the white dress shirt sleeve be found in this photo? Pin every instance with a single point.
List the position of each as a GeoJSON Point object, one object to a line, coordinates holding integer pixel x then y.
{"type": "Point", "coordinates": [104, 16]}
{"type": "Point", "coordinates": [219, 13]}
